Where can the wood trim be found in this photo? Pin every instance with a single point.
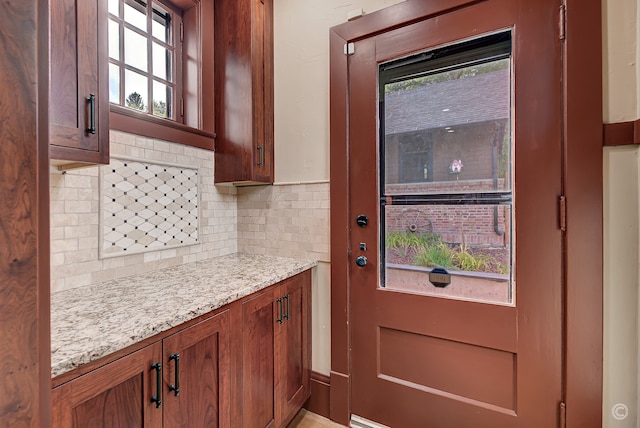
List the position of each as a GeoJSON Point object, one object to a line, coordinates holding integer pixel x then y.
{"type": "Point", "coordinates": [43, 282]}
{"type": "Point", "coordinates": [127, 120]}
{"type": "Point", "coordinates": [339, 222]}
{"type": "Point", "coordinates": [319, 402]}
{"type": "Point", "coordinates": [621, 133]}
{"type": "Point", "coordinates": [24, 214]}
{"type": "Point", "coordinates": [340, 399]}
{"type": "Point", "coordinates": [396, 16]}
{"type": "Point", "coordinates": [584, 194]}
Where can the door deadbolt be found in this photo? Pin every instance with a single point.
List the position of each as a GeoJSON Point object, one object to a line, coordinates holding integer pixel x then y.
{"type": "Point", "coordinates": [361, 261]}
{"type": "Point", "coordinates": [362, 220]}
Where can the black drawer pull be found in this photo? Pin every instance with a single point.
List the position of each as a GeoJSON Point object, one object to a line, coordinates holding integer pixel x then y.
{"type": "Point", "coordinates": [157, 398]}
{"type": "Point", "coordinates": [176, 388]}
{"type": "Point", "coordinates": [279, 309]}
{"type": "Point", "coordinates": [92, 114]}
{"type": "Point", "coordinates": [286, 315]}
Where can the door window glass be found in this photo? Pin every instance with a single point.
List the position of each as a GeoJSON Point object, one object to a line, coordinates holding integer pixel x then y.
{"type": "Point", "coordinates": [446, 172]}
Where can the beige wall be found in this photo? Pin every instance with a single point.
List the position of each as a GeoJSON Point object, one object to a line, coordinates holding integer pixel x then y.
{"type": "Point", "coordinates": [302, 83]}
{"type": "Point", "coordinates": [619, 60]}
{"type": "Point", "coordinates": [621, 52]}
{"type": "Point", "coordinates": [621, 284]}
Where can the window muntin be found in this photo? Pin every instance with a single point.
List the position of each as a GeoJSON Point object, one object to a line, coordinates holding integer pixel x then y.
{"type": "Point", "coordinates": [144, 55]}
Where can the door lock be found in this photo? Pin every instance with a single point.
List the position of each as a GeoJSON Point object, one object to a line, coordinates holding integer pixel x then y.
{"type": "Point", "coordinates": [362, 220]}
{"type": "Point", "coordinates": [361, 261]}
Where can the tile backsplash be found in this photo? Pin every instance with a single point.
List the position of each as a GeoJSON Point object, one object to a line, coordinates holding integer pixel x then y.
{"type": "Point", "coordinates": [147, 206]}
{"type": "Point", "coordinates": [290, 220]}
{"type": "Point", "coordinates": [75, 215]}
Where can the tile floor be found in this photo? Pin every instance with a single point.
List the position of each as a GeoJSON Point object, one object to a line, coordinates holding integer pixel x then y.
{"type": "Point", "coordinates": [306, 419]}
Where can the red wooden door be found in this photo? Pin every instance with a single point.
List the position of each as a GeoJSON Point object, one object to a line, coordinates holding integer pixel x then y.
{"type": "Point", "coordinates": [455, 158]}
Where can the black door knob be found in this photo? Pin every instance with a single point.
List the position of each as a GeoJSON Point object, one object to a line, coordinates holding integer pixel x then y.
{"type": "Point", "coordinates": [362, 220]}
{"type": "Point", "coordinates": [361, 261]}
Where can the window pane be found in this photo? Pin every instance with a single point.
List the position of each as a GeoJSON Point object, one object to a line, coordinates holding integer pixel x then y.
{"type": "Point", "coordinates": [114, 40]}
{"type": "Point", "coordinates": [471, 242]}
{"type": "Point", "coordinates": [448, 132]}
{"type": "Point", "coordinates": [114, 84]}
{"type": "Point", "coordinates": [161, 99]}
{"type": "Point", "coordinates": [135, 50]}
{"type": "Point", "coordinates": [114, 7]}
{"type": "Point", "coordinates": [135, 13]}
{"type": "Point", "coordinates": [136, 90]}
{"type": "Point", "coordinates": [161, 62]}
{"type": "Point", "coordinates": [161, 24]}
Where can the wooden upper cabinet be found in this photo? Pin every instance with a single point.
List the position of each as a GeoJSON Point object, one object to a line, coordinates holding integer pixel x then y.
{"type": "Point", "coordinates": [79, 89]}
{"type": "Point", "coordinates": [244, 91]}
{"type": "Point", "coordinates": [117, 395]}
{"type": "Point", "coordinates": [197, 375]}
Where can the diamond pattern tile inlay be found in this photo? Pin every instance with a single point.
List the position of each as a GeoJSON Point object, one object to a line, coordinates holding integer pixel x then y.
{"type": "Point", "coordinates": [147, 206]}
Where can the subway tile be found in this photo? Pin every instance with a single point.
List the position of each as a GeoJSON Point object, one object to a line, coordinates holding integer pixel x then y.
{"type": "Point", "coordinates": [73, 257]}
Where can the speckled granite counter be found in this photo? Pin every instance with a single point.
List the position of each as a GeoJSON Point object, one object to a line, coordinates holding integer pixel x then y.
{"type": "Point", "coordinates": [88, 323]}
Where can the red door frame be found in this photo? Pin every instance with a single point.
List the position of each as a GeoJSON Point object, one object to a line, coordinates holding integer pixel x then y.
{"type": "Point", "coordinates": [582, 188]}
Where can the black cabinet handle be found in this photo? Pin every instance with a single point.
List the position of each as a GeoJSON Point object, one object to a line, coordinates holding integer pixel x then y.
{"type": "Point", "coordinates": [260, 155]}
{"type": "Point", "coordinates": [279, 309]}
{"type": "Point", "coordinates": [286, 315]}
{"type": "Point", "coordinates": [92, 114]}
{"type": "Point", "coordinates": [157, 398]}
{"type": "Point", "coordinates": [176, 387]}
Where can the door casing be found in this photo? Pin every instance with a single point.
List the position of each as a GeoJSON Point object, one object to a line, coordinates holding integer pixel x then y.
{"type": "Point", "coordinates": [582, 187]}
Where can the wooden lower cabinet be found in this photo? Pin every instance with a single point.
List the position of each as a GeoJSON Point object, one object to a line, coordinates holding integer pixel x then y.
{"type": "Point", "coordinates": [197, 375]}
{"type": "Point", "coordinates": [293, 348]}
{"type": "Point", "coordinates": [261, 365]}
{"type": "Point", "coordinates": [194, 387]}
{"type": "Point", "coordinates": [276, 353]}
{"type": "Point", "coordinates": [117, 395]}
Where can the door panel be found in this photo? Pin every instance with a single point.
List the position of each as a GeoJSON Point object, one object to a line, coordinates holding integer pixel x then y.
{"type": "Point", "coordinates": [419, 357]}
{"type": "Point", "coordinates": [258, 365]}
{"type": "Point", "coordinates": [293, 347]}
{"type": "Point", "coordinates": [197, 375]}
{"type": "Point", "coordinates": [117, 395]}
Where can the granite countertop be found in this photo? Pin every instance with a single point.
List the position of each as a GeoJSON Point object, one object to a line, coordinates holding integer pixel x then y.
{"type": "Point", "coordinates": [88, 323]}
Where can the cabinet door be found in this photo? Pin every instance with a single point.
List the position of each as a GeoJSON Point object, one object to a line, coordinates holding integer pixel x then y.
{"type": "Point", "coordinates": [262, 70]}
{"type": "Point", "coordinates": [197, 375]}
{"type": "Point", "coordinates": [118, 395]}
{"type": "Point", "coordinates": [244, 99]}
{"type": "Point", "coordinates": [258, 383]}
{"type": "Point", "coordinates": [293, 347]}
{"type": "Point", "coordinates": [79, 69]}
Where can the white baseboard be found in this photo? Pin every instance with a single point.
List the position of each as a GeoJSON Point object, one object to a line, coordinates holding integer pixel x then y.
{"type": "Point", "coordinates": [360, 422]}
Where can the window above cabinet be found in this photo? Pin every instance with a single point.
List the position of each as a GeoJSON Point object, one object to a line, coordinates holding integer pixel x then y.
{"type": "Point", "coordinates": [145, 57]}
{"type": "Point", "coordinates": [161, 69]}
